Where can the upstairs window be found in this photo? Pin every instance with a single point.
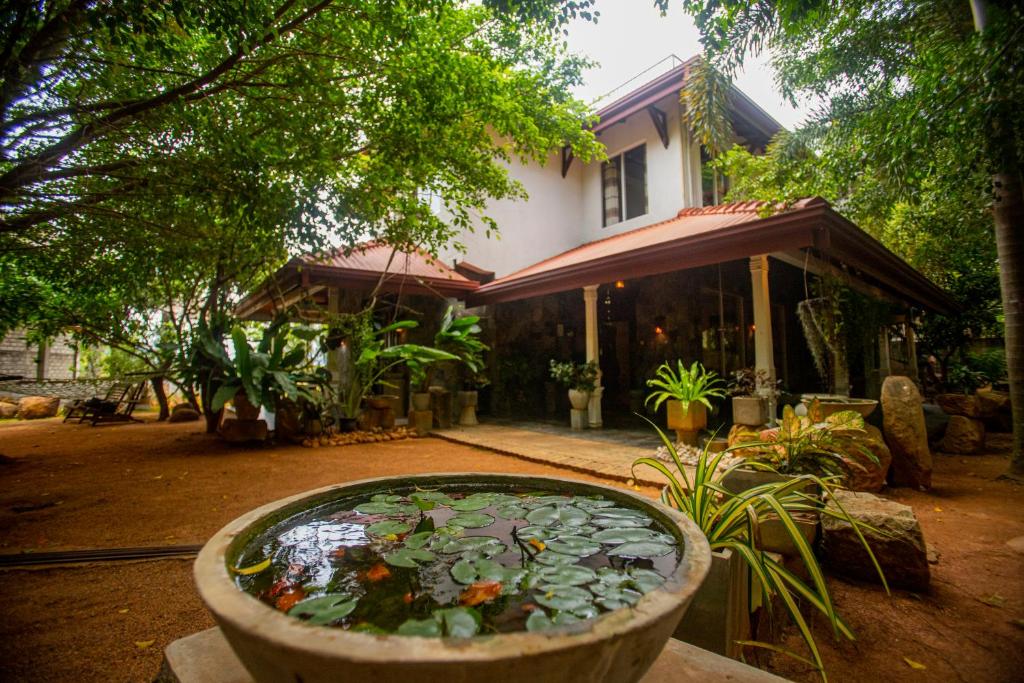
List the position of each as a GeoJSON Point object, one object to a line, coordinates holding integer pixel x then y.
{"type": "Point", "coordinates": [624, 186]}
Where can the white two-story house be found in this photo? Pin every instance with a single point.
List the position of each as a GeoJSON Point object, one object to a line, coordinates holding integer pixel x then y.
{"type": "Point", "coordinates": [634, 261]}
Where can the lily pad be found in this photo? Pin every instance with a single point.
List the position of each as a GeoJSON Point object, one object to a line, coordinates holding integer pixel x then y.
{"type": "Point", "coordinates": [624, 535]}
{"type": "Point", "coordinates": [538, 621]}
{"type": "Point", "coordinates": [565, 598]}
{"type": "Point", "coordinates": [511, 511]}
{"type": "Point", "coordinates": [552, 558]}
{"type": "Point", "coordinates": [592, 503]}
{"type": "Point", "coordinates": [325, 609]}
{"type": "Point", "coordinates": [388, 526]}
{"type": "Point", "coordinates": [418, 540]}
{"type": "Point", "coordinates": [380, 507]}
{"type": "Point", "coordinates": [460, 622]}
{"type": "Point", "coordinates": [486, 544]}
{"type": "Point", "coordinates": [620, 522]}
{"type": "Point", "coordinates": [409, 557]}
{"type": "Point", "coordinates": [645, 579]}
{"type": "Point", "coordinates": [567, 575]}
{"type": "Point", "coordinates": [435, 496]}
{"type": "Point", "coordinates": [579, 546]}
{"type": "Point", "coordinates": [422, 503]}
{"type": "Point", "coordinates": [471, 520]}
{"type": "Point", "coordinates": [426, 628]}
{"type": "Point", "coordinates": [572, 516]}
{"type": "Point", "coordinates": [543, 516]}
{"type": "Point", "coordinates": [541, 533]}
{"type": "Point", "coordinates": [623, 512]}
{"type": "Point", "coordinates": [470, 503]}
{"type": "Point", "coordinates": [641, 549]}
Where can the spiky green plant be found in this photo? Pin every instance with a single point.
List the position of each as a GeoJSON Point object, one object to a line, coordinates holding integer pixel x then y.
{"type": "Point", "coordinates": [686, 385]}
{"type": "Point", "coordinates": [732, 521]}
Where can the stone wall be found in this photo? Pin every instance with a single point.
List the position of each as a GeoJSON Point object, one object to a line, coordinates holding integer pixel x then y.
{"type": "Point", "coordinates": [20, 357]}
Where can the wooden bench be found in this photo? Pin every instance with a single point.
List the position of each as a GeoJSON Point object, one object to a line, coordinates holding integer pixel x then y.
{"type": "Point", "coordinates": [116, 406]}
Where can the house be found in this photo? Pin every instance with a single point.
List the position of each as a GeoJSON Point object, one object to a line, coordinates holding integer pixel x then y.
{"type": "Point", "coordinates": [634, 261]}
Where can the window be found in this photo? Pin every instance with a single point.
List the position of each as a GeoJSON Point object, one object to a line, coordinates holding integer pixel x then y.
{"type": "Point", "coordinates": [624, 186]}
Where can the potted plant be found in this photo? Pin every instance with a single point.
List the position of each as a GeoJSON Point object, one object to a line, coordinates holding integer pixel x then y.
{"type": "Point", "coordinates": [732, 523]}
{"type": "Point", "coordinates": [579, 378]}
{"type": "Point", "coordinates": [748, 389]}
{"type": "Point", "coordinates": [688, 392]}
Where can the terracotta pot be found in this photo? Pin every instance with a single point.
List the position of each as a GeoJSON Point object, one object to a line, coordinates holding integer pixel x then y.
{"type": "Point", "coordinates": [616, 646]}
{"type": "Point", "coordinates": [834, 403]}
{"type": "Point", "coordinates": [421, 401]}
{"type": "Point", "coordinates": [695, 419]}
{"type": "Point", "coordinates": [579, 399]}
{"type": "Point", "coordinates": [244, 409]}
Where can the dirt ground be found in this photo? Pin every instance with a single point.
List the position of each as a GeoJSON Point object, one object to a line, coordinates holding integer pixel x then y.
{"type": "Point", "coordinates": [70, 487]}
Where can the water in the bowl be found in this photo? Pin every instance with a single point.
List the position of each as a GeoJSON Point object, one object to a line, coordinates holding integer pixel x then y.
{"type": "Point", "coordinates": [458, 562]}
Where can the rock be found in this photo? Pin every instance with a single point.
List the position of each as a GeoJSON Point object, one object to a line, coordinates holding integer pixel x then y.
{"type": "Point", "coordinates": [863, 474]}
{"type": "Point", "coordinates": [899, 548]}
{"type": "Point", "coordinates": [241, 431]}
{"type": "Point", "coordinates": [933, 555]}
{"type": "Point", "coordinates": [935, 421]}
{"type": "Point", "coordinates": [964, 435]}
{"type": "Point", "coordinates": [991, 402]}
{"type": "Point", "coordinates": [183, 412]}
{"type": "Point", "coordinates": [958, 404]}
{"type": "Point", "coordinates": [8, 410]}
{"type": "Point", "coordinates": [1016, 544]}
{"type": "Point", "coordinates": [905, 433]}
{"type": "Point", "coordinates": [38, 407]}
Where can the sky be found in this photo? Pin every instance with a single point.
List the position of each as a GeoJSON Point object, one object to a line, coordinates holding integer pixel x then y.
{"type": "Point", "coordinates": [631, 35]}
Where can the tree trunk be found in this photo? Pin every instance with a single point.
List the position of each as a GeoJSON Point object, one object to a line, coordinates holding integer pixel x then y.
{"type": "Point", "coordinates": [1008, 216]}
{"type": "Point", "coordinates": [161, 397]}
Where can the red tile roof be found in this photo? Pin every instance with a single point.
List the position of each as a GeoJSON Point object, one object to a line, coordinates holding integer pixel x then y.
{"type": "Point", "coordinates": [378, 257]}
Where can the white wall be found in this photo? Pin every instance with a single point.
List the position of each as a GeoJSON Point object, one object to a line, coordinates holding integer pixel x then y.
{"type": "Point", "coordinates": [562, 213]}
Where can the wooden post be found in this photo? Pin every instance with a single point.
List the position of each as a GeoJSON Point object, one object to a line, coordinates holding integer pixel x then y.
{"type": "Point", "coordinates": [593, 352]}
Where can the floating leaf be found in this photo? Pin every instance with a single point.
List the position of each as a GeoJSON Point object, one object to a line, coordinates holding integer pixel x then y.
{"type": "Point", "coordinates": [479, 593]}
{"type": "Point", "coordinates": [460, 622]}
{"type": "Point", "coordinates": [385, 498]}
{"type": "Point", "coordinates": [464, 572]}
{"type": "Point", "coordinates": [620, 522]}
{"type": "Point", "coordinates": [418, 540]}
{"type": "Point", "coordinates": [254, 569]}
{"type": "Point", "coordinates": [572, 516]}
{"type": "Point", "coordinates": [538, 621]}
{"type": "Point", "coordinates": [539, 532]}
{"type": "Point", "coordinates": [623, 513]}
{"type": "Point", "coordinates": [422, 504]}
{"type": "Point", "coordinates": [426, 628]}
{"type": "Point", "coordinates": [543, 516]}
{"type": "Point", "coordinates": [382, 508]}
{"type": "Point", "coordinates": [470, 504]}
{"type": "Point", "coordinates": [325, 609]}
{"type": "Point", "coordinates": [592, 503]}
{"type": "Point", "coordinates": [578, 546]}
{"type": "Point", "coordinates": [434, 496]}
{"type": "Point", "coordinates": [485, 544]}
{"type": "Point", "coordinates": [641, 549]}
{"type": "Point", "coordinates": [564, 597]}
{"type": "Point", "coordinates": [388, 526]}
{"type": "Point", "coordinates": [511, 511]}
{"type": "Point", "coordinates": [409, 557]}
{"type": "Point", "coordinates": [471, 520]}
{"type": "Point", "coordinates": [567, 575]}
{"type": "Point", "coordinates": [552, 558]}
{"type": "Point", "coordinates": [646, 580]}
{"type": "Point", "coordinates": [624, 535]}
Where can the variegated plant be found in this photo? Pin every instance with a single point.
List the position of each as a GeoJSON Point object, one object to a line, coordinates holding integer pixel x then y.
{"type": "Point", "coordinates": [732, 521]}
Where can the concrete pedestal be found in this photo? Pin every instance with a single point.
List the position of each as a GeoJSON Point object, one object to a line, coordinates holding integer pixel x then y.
{"type": "Point", "coordinates": [205, 657]}
{"type": "Point", "coordinates": [422, 421]}
{"type": "Point", "coordinates": [578, 419]}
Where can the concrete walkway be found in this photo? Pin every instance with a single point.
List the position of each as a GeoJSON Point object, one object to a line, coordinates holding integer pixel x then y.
{"type": "Point", "coordinates": [600, 457]}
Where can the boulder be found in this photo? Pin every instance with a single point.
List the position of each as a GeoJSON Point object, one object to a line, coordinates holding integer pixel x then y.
{"type": "Point", "coordinates": [958, 404]}
{"type": "Point", "coordinates": [964, 435]}
{"type": "Point", "coordinates": [38, 407]}
{"type": "Point", "coordinates": [995, 409]}
{"type": "Point", "coordinates": [242, 431]}
{"type": "Point", "coordinates": [183, 412]}
{"type": "Point", "coordinates": [898, 544]}
{"type": "Point", "coordinates": [935, 421]}
{"type": "Point", "coordinates": [8, 410]}
{"type": "Point", "coordinates": [861, 472]}
{"type": "Point", "coordinates": [905, 433]}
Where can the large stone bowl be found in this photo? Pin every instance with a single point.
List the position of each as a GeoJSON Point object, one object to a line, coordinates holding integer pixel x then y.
{"type": "Point", "coordinates": [617, 647]}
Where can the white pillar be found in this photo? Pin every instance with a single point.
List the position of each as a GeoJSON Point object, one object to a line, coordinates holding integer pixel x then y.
{"type": "Point", "coordinates": [764, 352]}
{"type": "Point", "coordinates": [593, 351]}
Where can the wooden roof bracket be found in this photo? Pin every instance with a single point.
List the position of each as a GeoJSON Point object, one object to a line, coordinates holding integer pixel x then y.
{"type": "Point", "coordinates": [660, 123]}
{"type": "Point", "coordinates": [567, 158]}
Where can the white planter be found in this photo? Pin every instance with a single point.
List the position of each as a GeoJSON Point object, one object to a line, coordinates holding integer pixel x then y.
{"type": "Point", "coordinates": [579, 399]}
{"type": "Point", "coordinates": [468, 401]}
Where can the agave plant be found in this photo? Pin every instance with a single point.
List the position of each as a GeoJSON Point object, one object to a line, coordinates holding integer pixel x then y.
{"type": "Point", "coordinates": [693, 385]}
{"type": "Point", "coordinates": [732, 521]}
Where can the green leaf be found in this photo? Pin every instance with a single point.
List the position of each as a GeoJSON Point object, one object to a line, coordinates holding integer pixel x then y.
{"type": "Point", "coordinates": [418, 540]}
{"type": "Point", "coordinates": [578, 546]}
{"type": "Point", "coordinates": [424, 628]}
{"type": "Point", "coordinates": [460, 622]}
{"type": "Point", "coordinates": [567, 575]}
{"type": "Point", "coordinates": [470, 520]}
{"type": "Point", "coordinates": [409, 557]}
{"type": "Point", "coordinates": [325, 609]}
{"type": "Point", "coordinates": [641, 549]}
{"type": "Point", "coordinates": [616, 536]}
{"type": "Point", "coordinates": [564, 597]}
{"type": "Point", "coordinates": [387, 527]}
